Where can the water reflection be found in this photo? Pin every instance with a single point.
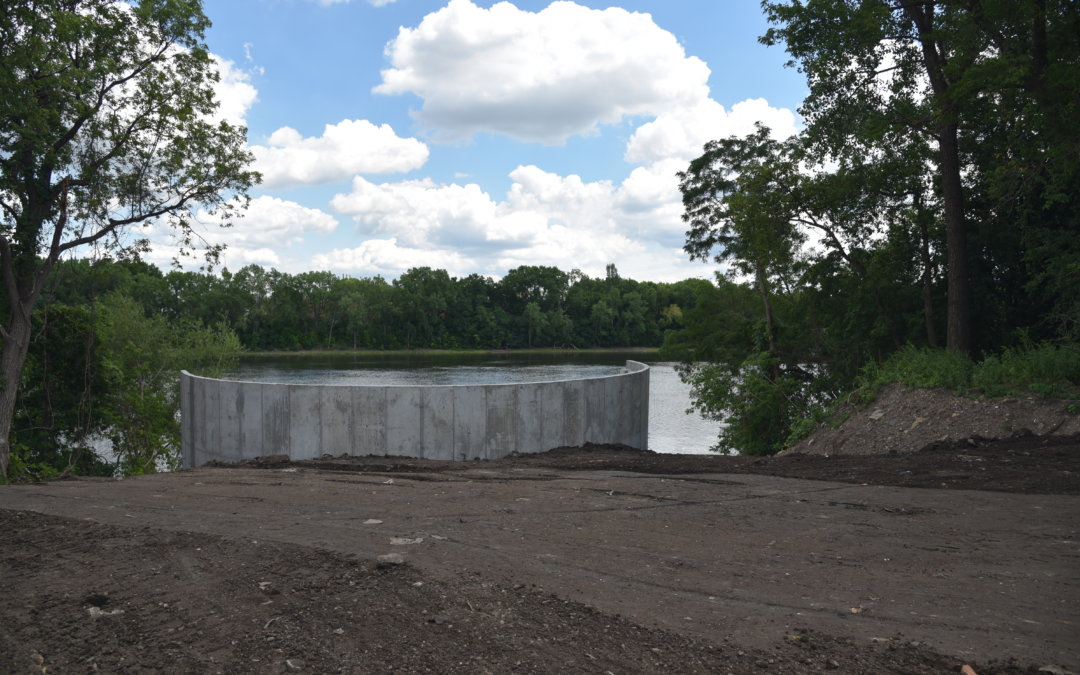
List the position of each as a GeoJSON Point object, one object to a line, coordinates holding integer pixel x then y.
{"type": "Point", "coordinates": [671, 429]}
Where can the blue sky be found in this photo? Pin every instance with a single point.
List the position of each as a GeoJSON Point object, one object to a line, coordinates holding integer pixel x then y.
{"type": "Point", "coordinates": [477, 136]}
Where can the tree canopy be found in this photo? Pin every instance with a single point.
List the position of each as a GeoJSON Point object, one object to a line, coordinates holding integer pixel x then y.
{"type": "Point", "coordinates": [934, 189]}
{"type": "Point", "coordinates": [107, 120]}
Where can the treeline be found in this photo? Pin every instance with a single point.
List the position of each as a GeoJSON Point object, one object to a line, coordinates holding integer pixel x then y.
{"type": "Point", "coordinates": [530, 306]}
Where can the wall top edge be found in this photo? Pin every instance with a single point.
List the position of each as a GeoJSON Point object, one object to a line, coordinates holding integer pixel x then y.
{"type": "Point", "coordinates": [632, 368]}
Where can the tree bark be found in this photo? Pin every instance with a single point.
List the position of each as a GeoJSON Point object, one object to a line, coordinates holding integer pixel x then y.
{"type": "Point", "coordinates": [927, 275]}
{"type": "Point", "coordinates": [770, 338]}
{"type": "Point", "coordinates": [958, 335]}
{"type": "Point", "coordinates": [958, 320]}
{"type": "Point", "coordinates": [12, 359]}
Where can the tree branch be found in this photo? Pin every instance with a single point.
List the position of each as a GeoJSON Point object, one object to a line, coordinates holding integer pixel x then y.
{"type": "Point", "coordinates": [79, 121]}
{"type": "Point", "coordinates": [116, 224]}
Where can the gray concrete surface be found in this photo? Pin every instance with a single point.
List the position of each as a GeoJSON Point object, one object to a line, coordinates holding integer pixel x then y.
{"type": "Point", "coordinates": [232, 421]}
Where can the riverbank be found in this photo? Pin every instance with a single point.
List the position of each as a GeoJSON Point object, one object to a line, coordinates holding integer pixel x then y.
{"type": "Point", "coordinates": [589, 560]}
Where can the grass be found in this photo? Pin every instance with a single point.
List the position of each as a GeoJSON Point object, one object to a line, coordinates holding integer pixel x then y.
{"type": "Point", "coordinates": [1044, 369]}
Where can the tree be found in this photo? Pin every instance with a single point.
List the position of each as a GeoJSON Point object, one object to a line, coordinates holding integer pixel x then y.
{"type": "Point", "coordinates": [106, 122]}
{"type": "Point", "coordinates": [992, 86]}
{"type": "Point", "coordinates": [139, 360]}
{"type": "Point", "coordinates": [736, 201]}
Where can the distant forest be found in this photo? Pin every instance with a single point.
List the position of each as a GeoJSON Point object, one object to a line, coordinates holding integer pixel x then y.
{"type": "Point", "coordinates": [530, 306]}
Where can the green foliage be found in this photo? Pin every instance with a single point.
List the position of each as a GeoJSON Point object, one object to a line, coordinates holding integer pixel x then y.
{"type": "Point", "coordinates": [923, 119]}
{"type": "Point", "coordinates": [1043, 369]}
{"type": "Point", "coordinates": [923, 368]}
{"type": "Point", "coordinates": [59, 398]}
{"type": "Point", "coordinates": [756, 406]}
{"type": "Point", "coordinates": [108, 373]}
{"type": "Point", "coordinates": [141, 357]}
{"type": "Point", "coordinates": [107, 121]}
{"type": "Point", "coordinates": [423, 309]}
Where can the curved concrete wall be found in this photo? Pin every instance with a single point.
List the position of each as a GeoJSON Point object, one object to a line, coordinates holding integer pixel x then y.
{"type": "Point", "coordinates": [232, 421]}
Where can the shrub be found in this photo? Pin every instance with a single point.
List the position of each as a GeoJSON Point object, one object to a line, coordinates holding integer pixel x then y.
{"type": "Point", "coordinates": [1044, 369]}
{"type": "Point", "coordinates": [923, 368]}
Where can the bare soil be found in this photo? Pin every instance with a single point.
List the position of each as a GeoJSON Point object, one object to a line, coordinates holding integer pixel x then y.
{"type": "Point", "coordinates": [597, 559]}
{"type": "Point", "coordinates": [905, 420]}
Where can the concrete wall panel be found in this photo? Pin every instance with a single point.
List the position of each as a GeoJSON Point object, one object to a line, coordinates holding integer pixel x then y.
{"type": "Point", "coordinates": [229, 419]}
{"type": "Point", "coordinates": [212, 434]}
{"type": "Point", "coordinates": [552, 405]}
{"type": "Point", "coordinates": [404, 421]}
{"type": "Point", "coordinates": [438, 410]}
{"type": "Point", "coordinates": [501, 438]}
{"type": "Point", "coordinates": [200, 424]}
{"type": "Point", "coordinates": [595, 394]}
{"type": "Point", "coordinates": [233, 421]}
{"type": "Point", "coordinates": [186, 441]}
{"type": "Point", "coordinates": [336, 420]}
{"type": "Point", "coordinates": [249, 407]}
{"type": "Point", "coordinates": [470, 422]}
{"type": "Point", "coordinates": [304, 423]}
{"type": "Point", "coordinates": [530, 420]}
{"type": "Point", "coordinates": [574, 413]}
{"type": "Point", "coordinates": [275, 412]}
{"type": "Point", "coordinates": [369, 416]}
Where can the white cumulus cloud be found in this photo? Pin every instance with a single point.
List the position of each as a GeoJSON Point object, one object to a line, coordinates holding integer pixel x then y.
{"type": "Point", "coordinates": [344, 149]}
{"type": "Point", "coordinates": [274, 222]}
{"type": "Point", "coordinates": [234, 91]}
{"type": "Point", "coordinates": [269, 226]}
{"type": "Point", "coordinates": [682, 132]}
{"type": "Point", "coordinates": [544, 219]}
{"type": "Point", "coordinates": [388, 258]}
{"type": "Point", "coordinates": [539, 76]}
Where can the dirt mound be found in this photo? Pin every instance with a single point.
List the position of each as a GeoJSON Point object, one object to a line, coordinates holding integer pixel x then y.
{"type": "Point", "coordinates": [903, 420]}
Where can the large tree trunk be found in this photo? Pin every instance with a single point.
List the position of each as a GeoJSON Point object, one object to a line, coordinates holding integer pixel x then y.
{"type": "Point", "coordinates": [927, 274]}
{"type": "Point", "coordinates": [770, 337]}
{"type": "Point", "coordinates": [958, 335]}
{"type": "Point", "coordinates": [12, 359]}
{"type": "Point", "coordinates": [958, 320]}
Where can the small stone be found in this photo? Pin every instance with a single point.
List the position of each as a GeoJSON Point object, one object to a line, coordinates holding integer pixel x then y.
{"type": "Point", "coordinates": [877, 414]}
{"type": "Point", "coordinates": [97, 612]}
{"type": "Point", "coordinates": [339, 631]}
{"type": "Point", "coordinates": [390, 560]}
{"type": "Point", "coordinates": [832, 664]}
{"type": "Point", "coordinates": [294, 664]}
{"type": "Point", "coordinates": [372, 521]}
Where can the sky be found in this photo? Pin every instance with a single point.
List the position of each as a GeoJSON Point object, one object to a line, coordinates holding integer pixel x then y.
{"type": "Point", "coordinates": [477, 136]}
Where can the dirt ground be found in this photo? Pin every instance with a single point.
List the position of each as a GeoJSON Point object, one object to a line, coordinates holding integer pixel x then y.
{"type": "Point", "coordinates": [594, 560]}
